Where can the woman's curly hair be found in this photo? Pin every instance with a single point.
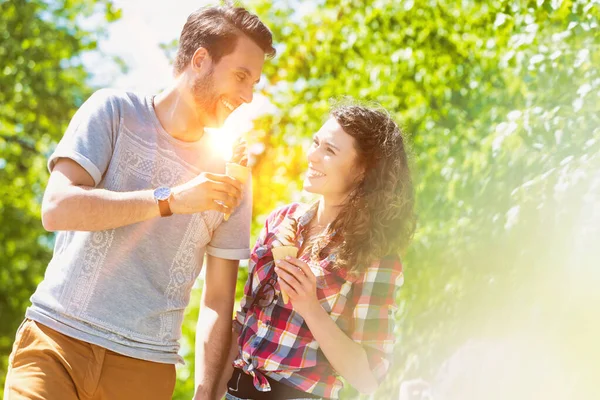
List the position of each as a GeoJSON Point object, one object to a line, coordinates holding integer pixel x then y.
{"type": "Point", "coordinates": [377, 220]}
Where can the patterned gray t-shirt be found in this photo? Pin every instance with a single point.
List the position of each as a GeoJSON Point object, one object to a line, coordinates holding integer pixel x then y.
{"type": "Point", "coordinates": [126, 289]}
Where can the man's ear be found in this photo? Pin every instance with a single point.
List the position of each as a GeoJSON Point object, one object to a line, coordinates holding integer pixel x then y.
{"type": "Point", "coordinates": [199, 58]}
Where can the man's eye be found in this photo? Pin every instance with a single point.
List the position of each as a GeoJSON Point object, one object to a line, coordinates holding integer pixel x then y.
{"type": "Point", "coordinates": [240, 77]}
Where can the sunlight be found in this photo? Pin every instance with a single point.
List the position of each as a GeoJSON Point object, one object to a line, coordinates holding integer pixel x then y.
{"type": "Point", "coordinates": [222, 141]}
{"type": "Point", "coordinates": [239, 124]}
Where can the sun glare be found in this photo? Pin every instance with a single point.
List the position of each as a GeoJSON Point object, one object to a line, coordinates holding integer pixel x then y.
{"type": "Point", "coordinates": [239, 124]}
{"type": "Point", "coordinates": [222, 141]}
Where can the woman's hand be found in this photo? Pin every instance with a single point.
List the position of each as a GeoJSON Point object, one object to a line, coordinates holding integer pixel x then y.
{"type": "Point", "coordinates": [299, 282]}
{"type": "Point", "coordinates": [346, 356]}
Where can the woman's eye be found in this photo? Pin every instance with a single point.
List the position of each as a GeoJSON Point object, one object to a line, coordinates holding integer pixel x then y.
{"type": "Point", "coordinates": [329, 150]}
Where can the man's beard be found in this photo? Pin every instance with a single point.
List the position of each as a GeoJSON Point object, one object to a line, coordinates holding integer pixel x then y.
{"type": "Point", "coordinates": [205, 96]}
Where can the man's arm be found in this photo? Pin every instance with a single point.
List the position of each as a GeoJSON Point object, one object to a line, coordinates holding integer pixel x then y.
{"type": "Point", "coordinates": [72, 203]}
{"type": "Point", "coordinates": [213, 332]}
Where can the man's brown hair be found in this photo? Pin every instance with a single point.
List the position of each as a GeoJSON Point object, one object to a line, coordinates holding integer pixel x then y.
{"type": "Point", "coordinates": [217, 30]}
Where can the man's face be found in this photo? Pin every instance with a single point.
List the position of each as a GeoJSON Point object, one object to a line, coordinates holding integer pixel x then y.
{"type": "Point", "coordinates": [222, 87]}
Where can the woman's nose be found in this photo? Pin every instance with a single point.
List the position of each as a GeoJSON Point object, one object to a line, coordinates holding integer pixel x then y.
{"type": "Point", "coordinates": [313, 154]}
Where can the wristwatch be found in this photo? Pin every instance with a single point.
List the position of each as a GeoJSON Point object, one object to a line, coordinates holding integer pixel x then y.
{"type": "Point", "coordinates": [162, 196]}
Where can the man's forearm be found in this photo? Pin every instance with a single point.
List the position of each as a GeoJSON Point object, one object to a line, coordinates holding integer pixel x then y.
{"type": "Point", "coordinates": [213, 338]}
{"type": "Point", "coordinates": [80, 208]}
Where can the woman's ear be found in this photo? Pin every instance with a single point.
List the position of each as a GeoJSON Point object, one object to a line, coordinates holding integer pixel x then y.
{"type": "Point", "coordinates": [361, 173]}
{"type": "Point", "coordinates": [359, 177]}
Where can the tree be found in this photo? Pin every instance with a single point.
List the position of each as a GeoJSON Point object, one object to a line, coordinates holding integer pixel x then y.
{"type": "Point", "coordinates": [42, 82]}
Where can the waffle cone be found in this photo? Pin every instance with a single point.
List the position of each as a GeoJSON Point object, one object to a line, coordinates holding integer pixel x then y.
{"type": "Point", "coordinates": [238, 172]}
{"type": "Point", "coordinates": [279, 253]}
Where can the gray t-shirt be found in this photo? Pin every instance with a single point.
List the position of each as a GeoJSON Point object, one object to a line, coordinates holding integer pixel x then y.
{"type": "Point", "coordinates": [126, 289]}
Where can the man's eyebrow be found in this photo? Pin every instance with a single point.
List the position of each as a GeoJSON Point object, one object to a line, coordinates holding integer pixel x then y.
{"type": "Point", "coordinates": [247, 72]}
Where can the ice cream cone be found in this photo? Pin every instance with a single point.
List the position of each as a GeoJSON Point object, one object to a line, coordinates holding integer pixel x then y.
{"type": "Point", "coordinates": [280, 253]}
{"type": "Point", "coordinates": [238, 172]}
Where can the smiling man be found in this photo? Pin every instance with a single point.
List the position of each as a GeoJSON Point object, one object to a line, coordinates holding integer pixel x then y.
{"type": "Point", "coordinates": [137, 195]}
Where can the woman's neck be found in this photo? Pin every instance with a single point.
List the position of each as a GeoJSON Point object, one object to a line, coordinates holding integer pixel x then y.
{"type": "Point", "coordinates": [327, 211]}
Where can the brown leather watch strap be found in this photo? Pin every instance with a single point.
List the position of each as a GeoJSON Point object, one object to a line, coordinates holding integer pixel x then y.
{"type": "Point", "coordinates": [165, 210]}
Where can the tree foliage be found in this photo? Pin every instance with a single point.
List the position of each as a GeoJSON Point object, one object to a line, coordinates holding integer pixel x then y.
{"type": "Point", "coordinates": [42, 82]}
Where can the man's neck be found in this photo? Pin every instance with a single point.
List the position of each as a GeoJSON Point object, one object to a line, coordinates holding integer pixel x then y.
{"type": "Point", "coordinates": [177, 114]}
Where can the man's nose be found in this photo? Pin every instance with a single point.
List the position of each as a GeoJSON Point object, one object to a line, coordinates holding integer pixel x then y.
{"type": "Point", "coordinates": [247, 95]}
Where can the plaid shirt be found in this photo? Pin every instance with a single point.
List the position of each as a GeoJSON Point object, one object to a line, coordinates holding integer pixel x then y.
{"type": "Point", "coordinates": [275, 341]}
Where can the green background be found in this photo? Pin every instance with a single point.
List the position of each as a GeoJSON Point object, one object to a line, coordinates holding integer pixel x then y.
{"type": "Point", "coordinates": [499, 99]}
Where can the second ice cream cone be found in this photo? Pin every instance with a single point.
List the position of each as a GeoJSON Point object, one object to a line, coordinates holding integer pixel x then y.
{"type": "Point", "coordinates": [280, 253]}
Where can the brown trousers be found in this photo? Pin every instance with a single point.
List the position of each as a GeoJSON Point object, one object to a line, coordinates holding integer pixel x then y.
{"type": "Point", "coordinates": [47, 365]}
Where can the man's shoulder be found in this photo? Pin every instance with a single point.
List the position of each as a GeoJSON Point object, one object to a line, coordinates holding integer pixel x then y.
{"type": "Point", "coordinates": [116, 101]}
{"type": "Point", "coordinates": [130, 110]}
{"type": "Point", "coordinates": [116, 98]}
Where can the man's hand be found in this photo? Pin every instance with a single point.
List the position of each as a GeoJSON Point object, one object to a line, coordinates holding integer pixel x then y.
{"type": "Point", "coordinates": [207, 192]}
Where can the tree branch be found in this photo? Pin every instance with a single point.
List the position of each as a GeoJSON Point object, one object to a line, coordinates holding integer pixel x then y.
{"type": "Point", "coordinates": [27, 145]}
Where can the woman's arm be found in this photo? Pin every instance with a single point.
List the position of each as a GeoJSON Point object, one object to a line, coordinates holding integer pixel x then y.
{"type": "Point", "coordinates": [347, 357]}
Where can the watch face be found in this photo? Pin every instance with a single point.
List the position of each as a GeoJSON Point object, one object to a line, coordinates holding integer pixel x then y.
{"type": "Point", "coordinates": [162, 193]}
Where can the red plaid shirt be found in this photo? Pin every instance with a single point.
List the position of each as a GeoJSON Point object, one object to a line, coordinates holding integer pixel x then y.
{"type": "Point", "coordinates": [276, 342]}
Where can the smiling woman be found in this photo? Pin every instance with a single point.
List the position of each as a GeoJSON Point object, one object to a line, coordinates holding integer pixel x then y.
{"type": "Point", "coordinates": [342, 285]}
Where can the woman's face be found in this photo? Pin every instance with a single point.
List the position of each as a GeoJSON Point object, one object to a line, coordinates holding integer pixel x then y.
{"type": "Point", "coordinates": [333, 169]}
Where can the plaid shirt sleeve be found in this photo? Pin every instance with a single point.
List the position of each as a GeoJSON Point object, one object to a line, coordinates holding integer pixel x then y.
{"type": "Point", "coordinates": [373, 317]}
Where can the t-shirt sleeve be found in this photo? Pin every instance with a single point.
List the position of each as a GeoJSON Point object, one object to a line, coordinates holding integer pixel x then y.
{"type": "Point", "coordinates": [373, 319]}
{"type": "Point", "coordinates": [231, 239]}
{"type": "Point", "coordinates": [90, 136]}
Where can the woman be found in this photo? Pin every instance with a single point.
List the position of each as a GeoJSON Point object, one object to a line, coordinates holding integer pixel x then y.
{"type": "Point", "coordinates": [339, 319]}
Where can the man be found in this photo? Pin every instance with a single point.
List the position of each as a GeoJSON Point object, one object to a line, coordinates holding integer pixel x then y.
{"type": "Point", "coordinates": [137, 196]}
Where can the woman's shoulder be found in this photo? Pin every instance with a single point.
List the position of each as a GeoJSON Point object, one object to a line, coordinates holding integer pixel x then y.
{"type": "Point", "coordinates": [386, 269]}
